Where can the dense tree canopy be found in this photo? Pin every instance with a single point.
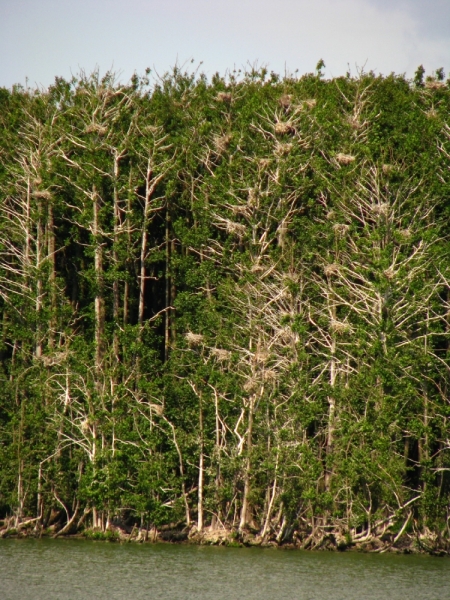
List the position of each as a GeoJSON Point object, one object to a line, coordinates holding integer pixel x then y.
{"type": "Point", "coordinates": [226, 303]}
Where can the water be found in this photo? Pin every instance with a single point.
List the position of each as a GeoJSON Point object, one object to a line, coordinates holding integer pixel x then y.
{"type": "Point", "coordinates": [85, 570]}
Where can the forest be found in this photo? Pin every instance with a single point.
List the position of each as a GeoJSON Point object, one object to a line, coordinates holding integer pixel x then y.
{"type": "Point", "coordinates": [225, 308]}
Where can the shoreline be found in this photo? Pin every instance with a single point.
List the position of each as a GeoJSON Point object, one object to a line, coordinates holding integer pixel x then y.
{"type": "Point", "coordinates": [407, 543]}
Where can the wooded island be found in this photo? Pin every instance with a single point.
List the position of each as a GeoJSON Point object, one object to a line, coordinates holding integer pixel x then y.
{"type": "Point", "coordinates": [225, 309]}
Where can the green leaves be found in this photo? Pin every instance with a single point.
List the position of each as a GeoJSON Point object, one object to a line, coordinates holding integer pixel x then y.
{"type": "Point", "coordinates": [245, 278]}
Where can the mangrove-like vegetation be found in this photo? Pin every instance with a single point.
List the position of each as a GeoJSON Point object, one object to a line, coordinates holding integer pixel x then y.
{"type": "Point", "coordinates": [225, 308]}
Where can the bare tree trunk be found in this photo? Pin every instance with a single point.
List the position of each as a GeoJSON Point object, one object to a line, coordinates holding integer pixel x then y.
{"type": "Point", "coordinates": [27, 232]}
{"type": "Point", "coordinates": [149, 188]}
{"type": "Point", "coordinates": [51, 249]}
{"type": "Point", "coordinates": [69, 523]}
{"type": "Point", "coordinates": [200, 469]}
{"type": "Point", "coordinates": [183, 485]}
{"type": "Point", "coordinates": [20, 493]}
{"type": "Point", "coordinates": [116, 291]}
{"type": "Point", "coordinates": [245, 501]}
{"type": "Point", "coordinates": [39, 503]}
{"type": "Point", "coordinates": [39, 291]}
{"type": "Point", "coordinates": [167, 290]}
{"type": "Point", "coordinates": [172, 297]}
{"type": "Point", "coordinates": [331, 417]}
{"type": "Point", "coordinates": [218, 457]}
{"type": "Point", "coordinates": [99, 325]}
{"type": "Point", "coordinates": [271, 501]}
{"type": "Point", "coordinates": [142, 271]}
{"type": "Point", "coordinates": [99, 298]}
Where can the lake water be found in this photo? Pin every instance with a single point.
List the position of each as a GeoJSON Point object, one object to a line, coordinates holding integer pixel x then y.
{"type": "Point", "coordinates": [86, 570]}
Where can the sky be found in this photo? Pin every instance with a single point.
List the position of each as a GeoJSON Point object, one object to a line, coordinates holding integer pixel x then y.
{"type": "Point", "coordinates": [42, 39]}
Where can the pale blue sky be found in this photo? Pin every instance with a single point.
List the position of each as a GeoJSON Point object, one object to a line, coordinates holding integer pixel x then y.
{"type": "Point", "coordinates": [41, 39]}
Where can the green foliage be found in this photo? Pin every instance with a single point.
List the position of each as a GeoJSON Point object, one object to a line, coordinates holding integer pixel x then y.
{"type": "Point", "coordinates": [104, 536]}
{"type": "Point", "coordinates": [227, 295]}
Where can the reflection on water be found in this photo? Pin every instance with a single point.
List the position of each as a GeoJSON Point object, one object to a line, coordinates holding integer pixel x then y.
{"type": "Point", "coordinates": [84, 570]}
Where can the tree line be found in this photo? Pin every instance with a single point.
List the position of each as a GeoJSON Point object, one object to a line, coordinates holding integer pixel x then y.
{"type": "Point", "coordinates": [224, 304]}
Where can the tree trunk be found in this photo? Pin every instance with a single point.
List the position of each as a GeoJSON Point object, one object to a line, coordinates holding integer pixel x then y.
{"type": "Point", "coordinates": [200, 469]}
{"type": "Point", "coordinates": [99, 298]}
{"type": "Point", "coordinates": [116, 291]}
{"type": "Point", "coordinates": [245, 510]}
{"type": "Point", "coordinates": [39, 291]}
{"type": "Point", "coordinates": [167, 290]}
{"type": "Point", "coordinates": [51, 249]}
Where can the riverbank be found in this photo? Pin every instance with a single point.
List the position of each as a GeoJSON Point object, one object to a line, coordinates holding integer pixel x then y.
{"type": "Point", "coordinates": [323, 539]}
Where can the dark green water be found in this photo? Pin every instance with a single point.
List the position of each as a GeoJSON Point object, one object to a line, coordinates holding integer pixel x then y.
{"type": "Point", "coordinates": [83, 570]}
